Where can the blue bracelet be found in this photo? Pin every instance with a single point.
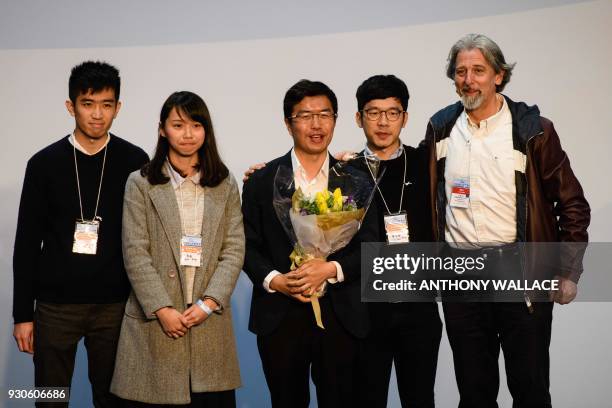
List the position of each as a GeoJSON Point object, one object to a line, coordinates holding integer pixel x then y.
{"type": "Point", "coordinates": [204, 307]}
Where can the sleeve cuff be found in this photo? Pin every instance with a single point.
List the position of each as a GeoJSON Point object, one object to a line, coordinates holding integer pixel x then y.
{"type": "Point", "coordinates": [268, 279]}
{"type": "Point", "coordinates": [219, 308]}
{"type": "Point", "coordinates": [150, 312]}
{"type": "Point", "coordinates": [339, 274]}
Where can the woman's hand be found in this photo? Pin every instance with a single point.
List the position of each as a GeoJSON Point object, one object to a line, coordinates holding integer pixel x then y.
{"type": "Point", "coordinates": [196, 315]}
{"type": "Point", "coordinates": [172, 322]}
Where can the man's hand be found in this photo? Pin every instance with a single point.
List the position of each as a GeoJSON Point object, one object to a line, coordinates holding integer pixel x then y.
{"type": "Point", "coordinates": [24, 336]}
{"type": "Point", "coordinates": [309, 277]}
{"type": "Point", "coordinates": [344, 155]}
{"type": "Point", "coordinates": [252, 169]}
{"type": "Point", "coordinates": [195, 315]}
{"type": "Point", "coordinates": [172, 322]}
{"type": "Point", "coordinates": [566, 293]}
{"type": "Point", "coordinates": [280, 284]}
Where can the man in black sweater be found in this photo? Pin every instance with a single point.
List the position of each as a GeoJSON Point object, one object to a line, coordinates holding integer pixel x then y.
{"type": "Point", "coordinates": [407, 334]}
{"type": "Point", "coordinates": [69, 279]}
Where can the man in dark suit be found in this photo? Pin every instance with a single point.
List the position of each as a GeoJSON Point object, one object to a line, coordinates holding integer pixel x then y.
{"type": "Point", "coordinates": [289, 341]}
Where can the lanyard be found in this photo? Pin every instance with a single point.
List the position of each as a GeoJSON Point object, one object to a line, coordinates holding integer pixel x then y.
{"type": "Point", "coordinates": [403, 185]}
{"type": "Point", "coordinates": [76, 168]}
{"type": "Point", "coordinates": [195, 206]}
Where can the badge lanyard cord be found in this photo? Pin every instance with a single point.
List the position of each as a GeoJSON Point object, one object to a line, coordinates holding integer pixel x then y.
{"type": "Point", "coordinates": [403, 185]}
{"type": "Point", "coordinates": [76, 168]}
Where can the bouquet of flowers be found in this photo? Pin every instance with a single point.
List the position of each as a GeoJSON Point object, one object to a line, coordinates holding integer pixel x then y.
{"type": "Point", "coordinates": [324, 222]}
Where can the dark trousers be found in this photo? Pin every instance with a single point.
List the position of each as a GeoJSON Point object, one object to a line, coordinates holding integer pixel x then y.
{"type": "Point", "coordinates": [220, 399]}
{"type": "Point", "coordinates": [58, 328]}
{"type": "Point", "coordinates": [477, 330]}
{"type": "Point", "coordinates": [298, 346]}
{"type": "Point", "coordinates": [407, 334]}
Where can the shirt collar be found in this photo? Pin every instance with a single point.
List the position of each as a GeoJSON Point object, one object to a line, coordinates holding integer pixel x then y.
{"type": "Point", "coordinates": [491, 122]}
{"type": "Point", "coordinates": [177, 180]}
{"type": "Point", "coordinates": [80, 148]}
{"type": "Point", "coordinates": [297, 166]}
{"type": "Point", "coordinates": [395, 154]}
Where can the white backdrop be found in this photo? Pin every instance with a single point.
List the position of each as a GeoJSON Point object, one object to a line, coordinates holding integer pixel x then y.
{"type": "Point", "coordinates": [563, 60]}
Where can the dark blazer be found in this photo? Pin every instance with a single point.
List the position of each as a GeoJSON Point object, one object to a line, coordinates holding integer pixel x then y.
{"type": "Point", "coordinates": [268, 248]}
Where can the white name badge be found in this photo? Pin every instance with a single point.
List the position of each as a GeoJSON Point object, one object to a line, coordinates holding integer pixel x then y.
{"type": "Point", "coordinates": [86, 237]}
{"type": "Point", "coordinates": [396, 226]}
{"type": "Point", "coordinates": [460, 193]}
{"type": "Point", "coordinates": [191, 250]}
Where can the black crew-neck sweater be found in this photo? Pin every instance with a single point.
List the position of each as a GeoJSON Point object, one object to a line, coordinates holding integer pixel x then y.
{"type": "Point", "coordinates": [44, 266]}
{"type": "Point", "coordinates": [416, 198]}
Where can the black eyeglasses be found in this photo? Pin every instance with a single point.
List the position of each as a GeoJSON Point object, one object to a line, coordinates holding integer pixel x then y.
{"type": "Point", "coordinates": [392, 114]}
{"type": "Point", "coordinates": [324, 116]}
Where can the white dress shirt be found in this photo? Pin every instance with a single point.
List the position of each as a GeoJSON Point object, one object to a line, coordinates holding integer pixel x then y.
{"type": "Point", "coordinates": [483, 153]}
{"type": "Point", "coordinates": [309, 187]}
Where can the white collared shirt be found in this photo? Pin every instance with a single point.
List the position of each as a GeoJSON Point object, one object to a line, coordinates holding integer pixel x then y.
{"type": "Point", "coordinates": [397, 153]}
{"type": "Point", "coordinates": [80, 148]}
{"type": "Point", "coordinates": [177, 180]}
{"type": "Point", "coordinates": [484, 154]}
{"type": "Point", "coordinates": [309, 188]}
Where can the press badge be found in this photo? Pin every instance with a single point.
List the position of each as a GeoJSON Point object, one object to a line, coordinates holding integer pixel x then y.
{"type": "Point", "coordinates": [86, 237]}
{"type": "Point", "coordinates": [396, 226]}
{"type": "Point", "coordinates": [191, 250]}
{"type": "Point", "coordinates": [460, 193]}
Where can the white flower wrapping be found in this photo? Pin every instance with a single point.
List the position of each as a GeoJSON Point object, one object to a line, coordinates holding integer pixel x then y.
{"type": "Point", "coordinates": [318, 236]}
{"type": "Point", "coordinates": [319, 242]}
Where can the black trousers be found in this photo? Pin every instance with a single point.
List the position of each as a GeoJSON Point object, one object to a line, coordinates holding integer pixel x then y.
{"type": "Point", "coordinates": [407, 334]}
{"type": "Point", "coordinates": [58, 328]}
{"type": "Point", "coordinates": [298, 346]}
{"type": "Point", "coordinates": [220, 399]}
{"type": "Point", "coordinates": [477, 330]}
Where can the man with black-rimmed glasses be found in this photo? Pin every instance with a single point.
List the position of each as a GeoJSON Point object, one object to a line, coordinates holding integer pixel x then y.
{"type": "Point", "coordinates": [290, 342]}
{"type": "Point", "coordinates": [406, 335]}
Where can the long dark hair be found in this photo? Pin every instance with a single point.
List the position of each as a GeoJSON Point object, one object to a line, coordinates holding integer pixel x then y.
{"type": "Point", "coordinates": [212, 169]}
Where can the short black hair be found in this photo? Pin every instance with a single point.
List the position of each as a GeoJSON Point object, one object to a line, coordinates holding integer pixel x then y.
{"type": "Point", "coordinates": [304, 88]}
{"type": "Point", "coordinates": [93, 76]}
{"type": "Point", "coordinates": [382, 87]}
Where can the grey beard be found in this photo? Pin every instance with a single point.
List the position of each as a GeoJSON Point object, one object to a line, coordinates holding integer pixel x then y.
{"type": "Point", "coordinates": [471, 102]}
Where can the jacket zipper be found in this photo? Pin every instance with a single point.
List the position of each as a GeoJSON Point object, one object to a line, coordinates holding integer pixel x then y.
{"type": "Point", "coordinates": [530, 306]}
{"type": "Point", "coordinates": [436, 186]}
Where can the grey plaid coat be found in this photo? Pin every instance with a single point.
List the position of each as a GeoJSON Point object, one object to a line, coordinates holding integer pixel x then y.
{"type": "Point", "coordinates": [151, 367]}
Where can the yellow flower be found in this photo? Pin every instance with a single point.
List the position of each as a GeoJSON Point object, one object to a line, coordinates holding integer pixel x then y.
{"type": "Point", "coordinates": [337, 200]}
{"type": "Point", "coordinates": [321, 203]}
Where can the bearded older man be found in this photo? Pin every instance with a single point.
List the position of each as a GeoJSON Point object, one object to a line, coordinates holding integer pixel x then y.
{"type": "Point", "coordinates": [499, 176]}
